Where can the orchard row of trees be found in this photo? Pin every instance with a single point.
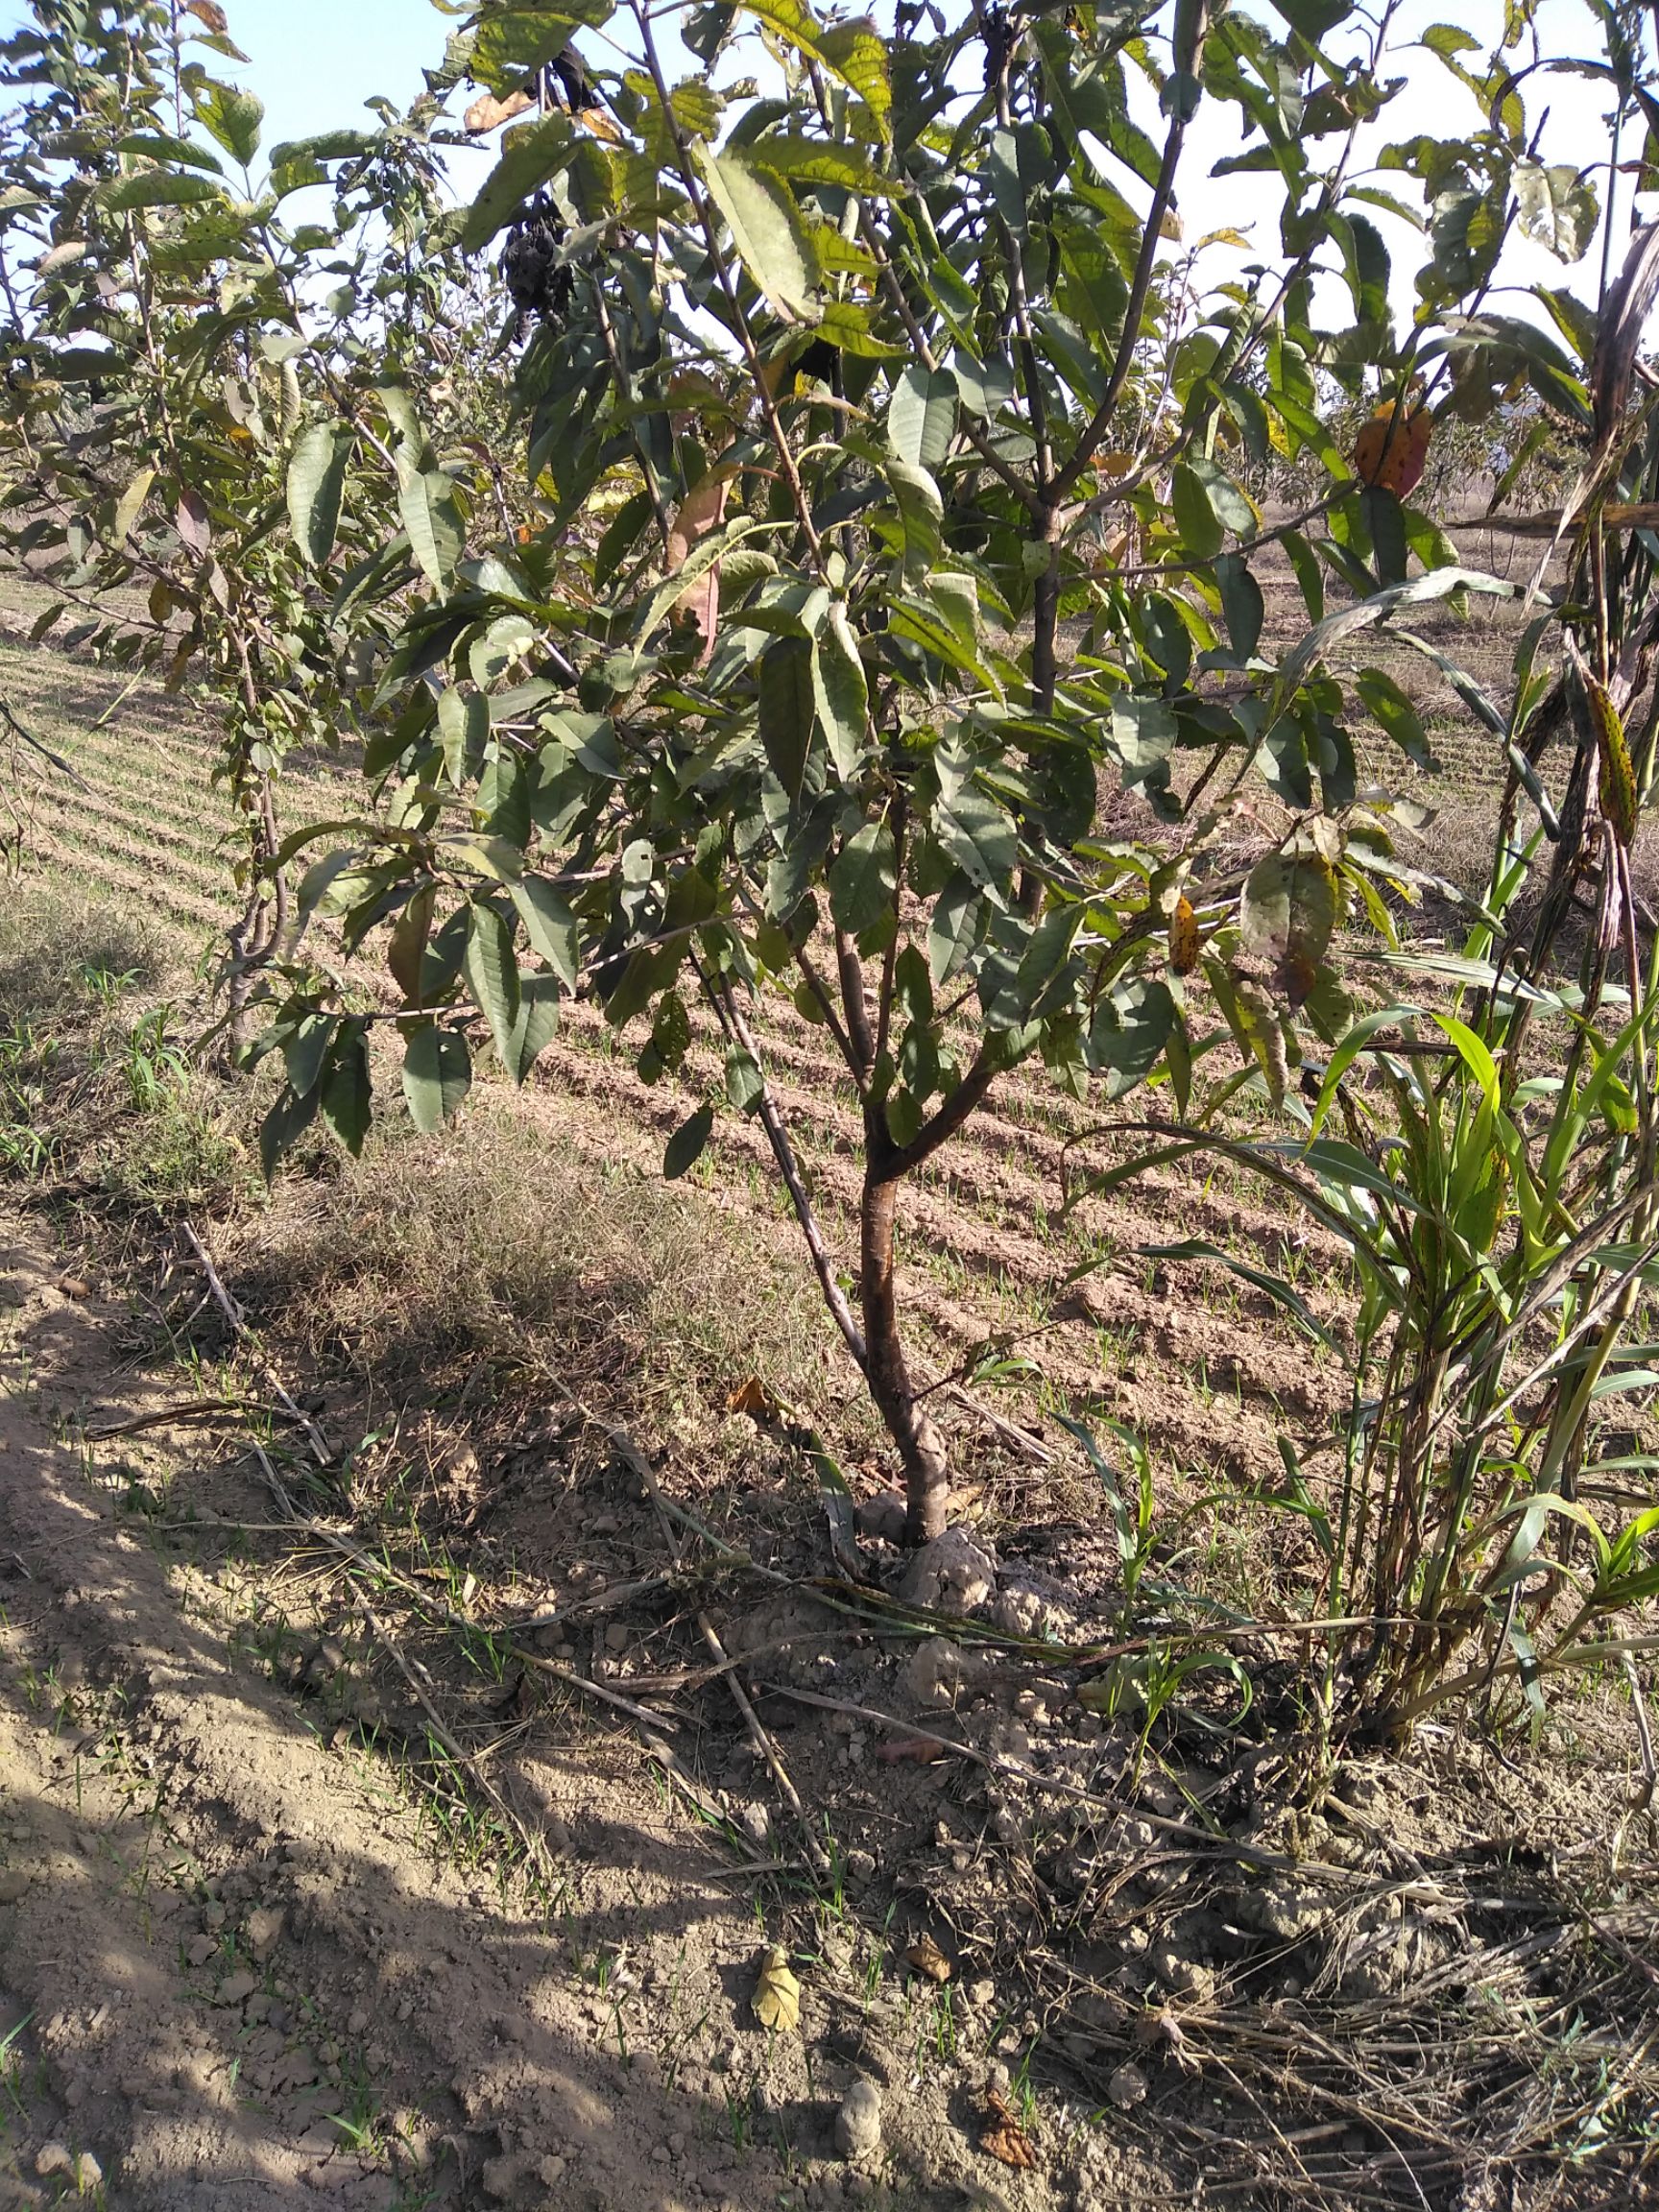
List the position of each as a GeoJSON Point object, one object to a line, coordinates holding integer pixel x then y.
{"type": "Point", "coordinates": [767, 581]}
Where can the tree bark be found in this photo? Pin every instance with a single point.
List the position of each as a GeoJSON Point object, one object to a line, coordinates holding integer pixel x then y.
{"type": "Point", "coordinates": [921, 1446]}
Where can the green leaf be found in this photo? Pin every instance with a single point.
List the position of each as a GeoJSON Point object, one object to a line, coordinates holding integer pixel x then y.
{"type": "Point", "coordinates": [956, 930]}
{"type": "Point", "coordinates": [1557, 206]}
{"type": "Point", "coordinates": [921, 514]}
{"type": "Point", "coordinates": [550, 927]}
{"type": "Point", "coordinates": [922, 419]}
{"type": "Point", "coordinates": [493, 975]}
{"type": "Point", "coordinates": [426, 503]}
{"type": "Point", "coordinates": [1289, 908]}
{"type": "Point", "coordinates": [437, 1075]}
{"type": "Point", "coordinates": [316, 486]}
{"type": "Point", "coordinates": [131, 503]}
{"type": "Point", "coordinates": [157, 189]}
{"type": "Point", "coordinates": [840, 690]}
{"type": "Point", "coordinates": [767, 229]}
{"type": "Point", "coordinates": [1131, 1029]}
{"type": "Point", "coordinates": [1395, 712]}
{"type": "Point", "coordinates": [685, 1146]}
{"type": "Point", "coordinates": [863, 878]}
{"type": "Point", "coordinates": [534, 1027]}
{"type": "Point", "coordinates": [821, 161]}
{"type": "Point", "coordinates": [529, 158]}
{"type": "Point", "coordinates": [744, 1084]}
{"type": "Point", "coordinates": [976, 833]}
{"type": "Point", "coordinates": [786, 709]}
{"type": "Point", "coordinates": [1242, 604]}
{"type": "Point", "coordinates": [1202, 535]}
{"type": "Point", "coordinates": [346, 1087]}
{"type": "Point", "coordinates": [231, 116]}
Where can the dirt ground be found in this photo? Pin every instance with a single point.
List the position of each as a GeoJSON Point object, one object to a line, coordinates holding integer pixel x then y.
{"type": "Point", "coordinates": [245, 1965]}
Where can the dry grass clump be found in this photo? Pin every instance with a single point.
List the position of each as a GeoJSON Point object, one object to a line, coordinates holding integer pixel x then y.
{"type": "Point", "coordinates": [431, 1261]}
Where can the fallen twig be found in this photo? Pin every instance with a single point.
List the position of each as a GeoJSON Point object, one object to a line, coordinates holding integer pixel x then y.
{"type": "Point", "coordinates": [239, 1328]}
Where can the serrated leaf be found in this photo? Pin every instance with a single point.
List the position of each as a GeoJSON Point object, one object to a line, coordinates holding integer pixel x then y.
{"type": "Point", "coordinates": [786, 709]}
{"type": "Point", "coordinates": [231, 116]}
{"type": "Point", "coordinates": [550, 927]}
{"type": "Point", "coordinates": [1556, 205]}
{"type": "Point", "coordinates": [316, 486]}
{"type": "Point", "coordinates": [426, 503]}
{"type": "Point", "coordinates": [1289, 908]}
{"type": "Point", "coordinates": [437, 1075]}
{"type": "Point", "coordinates": [493, 975]}
{"type": "Point", "coordinates": [863, 878]}
{"type": "Point", "coordinates": [744, 1084]}
{"type": "Point", "coordinates": [922, 417]}
{"type": "Point", "coordinates": [157, 188]}
{"type": "Point", "coordinates": [840, 690]}
{"type": "Point", "coordinates": [767, 229]}
{"type": "Point", "coordinates": [346, 1088]}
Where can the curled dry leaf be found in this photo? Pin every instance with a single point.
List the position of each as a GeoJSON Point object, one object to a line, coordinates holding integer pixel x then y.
{"type": "Point", "coordinates": [487, 111]}
{"type": "Point", "coordinates": [701, 512]}
{"type": "Point", "coordinates": [777, 1992]}
{"type": "Point", "coordinates": [1183, 937]}
{"type": "Point", "coordinates": [1003, 2136]}
{"type": "Point", "coordinates": [209, 12]}
{"type": "Point", "coordinates": [753, 1399]}
{"type": "Point", "coordinates": [925, 1956]}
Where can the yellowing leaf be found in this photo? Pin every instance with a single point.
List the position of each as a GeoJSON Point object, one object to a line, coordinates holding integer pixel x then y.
{"type": "Point", "coordinates": [777, 1992]}
{"type": "Point", "coordinates": [487, 113]}
{"type": "Point", "coordinates": [1183, 937]}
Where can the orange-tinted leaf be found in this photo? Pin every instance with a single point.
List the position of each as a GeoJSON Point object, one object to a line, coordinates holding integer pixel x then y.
{"type": "Point", "coordinates": [753, 1399]}
{"type": "Point", "coordinates": [1294, 978]}
{"type": "Point", "coordinates": [487, 113]}
{"type": "Point", "coordinates": [1392, 449]}
{"type": "Point", "coordinates": [925, 1956]}
{"type": "Point", "coordinates": [1003, 2135]}
{"type": "Point", "coordinates": [1183, 937]}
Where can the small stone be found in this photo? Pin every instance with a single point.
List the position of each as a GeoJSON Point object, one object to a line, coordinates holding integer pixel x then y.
{"type": "Point", "coordinates": [997, 2078]}
{"type": "Point", "coordinates": [756, 1823]}
{"type": "Point", "coordinates": [213, 1915]}
{"type": "Point", "coordinates": [89, 2174]}
{"type": "Point", "coordinates": [617, 1638]}
{"type": "Point", "coordinates": [53, 2158]}
{"type": "Point", "coordinates": [982, 1995]}
{"type": "Point", "coordinates": [860, 1867]}
{"type": "Point", "coordinates": [357, 2023]}
{"type": "Point", "coordinates": [551, 2172]}
{"type": "Point", "coordinates": [13, 1884]}
{"type": "Point", "coordinates": [1127, 2088]}
{"type": "Point", "coordinates": [264, 1931]}
{"type": "Point", "coordinates": [236, 1988]}
{"type": "Point", "coordinates": [501, 2177]}
{"type": "Point", "coordinates": [858, 2123]}
{"type": "Point", "coordinates": [881, 1518]}
{"type": "Point", "coordinates": [952, 1575]}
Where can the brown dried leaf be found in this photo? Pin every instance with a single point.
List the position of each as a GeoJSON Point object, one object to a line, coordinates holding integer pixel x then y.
{"type": "Point", "coordinates": [925, 1956]}
{"type": "Point", "coordinates": [753, 1399]}
{"type": "Point", "coordinates": [1183, 937]}
{"type": "Point", "coordinates": [777, 1992]}
{"type": "Point", "coordinates": [1003, 2135]}
{"type": "Point", "coordinates": [210, 13]}
{"type": "Point", "coordinates": [487, 113]}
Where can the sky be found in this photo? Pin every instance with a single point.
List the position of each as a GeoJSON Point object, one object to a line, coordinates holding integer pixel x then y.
{"type": "Point", "coordinates": [314, 63]}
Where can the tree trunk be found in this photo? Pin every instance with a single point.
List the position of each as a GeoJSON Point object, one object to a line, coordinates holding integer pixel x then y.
{"type": "Point", "coordinates": [920, 1446]}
